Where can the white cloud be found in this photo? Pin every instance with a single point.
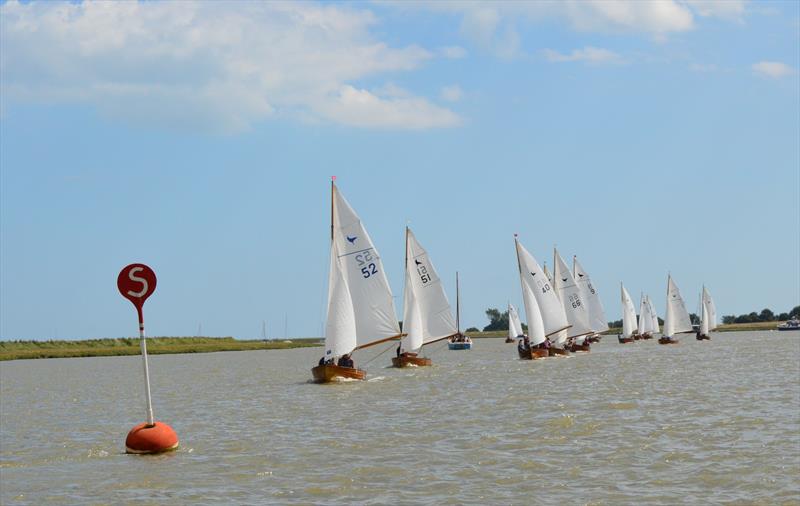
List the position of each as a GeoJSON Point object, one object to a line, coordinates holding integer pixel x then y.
{"type": "Point", "coordinates": [590, 55]}
{"type": "Point", "coordinates": [453, 52]}
{"type": "Point", "coordinates": [772, 69]}
{"type": "Point", "coordinates": [211, 65]}
{"type": "Point", "coordinates": [724, 9]}
{"type": "Point", "coordinates": [452, 93]}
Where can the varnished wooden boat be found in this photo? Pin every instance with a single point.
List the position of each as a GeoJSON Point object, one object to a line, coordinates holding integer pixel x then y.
{"type": "Point", "coordinates": [579, 347]}
{"type": "Point", "coordinates": [509, 340]}
{"type": "Point", "coordinates": [329, 372]}
{"type": "Point", "coordinates": [407, 360]}
{"type": "Point", "coordinates": [667, 340]}
{"type": "Point", "coordinates": [555, 352]}
{"type": "Point", "coordinates": [636, 337]}
{"type": "Point", "coordinates": [624, 340]}
{"type": "Point", "coordinates": [702, 337]}
{"type": "Point", "coordinates": [533, 353]}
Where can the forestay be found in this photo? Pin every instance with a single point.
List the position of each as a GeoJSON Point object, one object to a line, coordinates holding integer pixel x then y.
{"type": "Point", "coordinates": [676, 319]}
{"type": "Point", "coordinates": [426, 307]}
{"type": "Point", "coordinates": [597, 315]}
{"type": "Point", "coordinates": [552, 312]}
{"type": "Point", "coordinates": [362, 269]}
{"type": "Point", "coordinates": [629, 326]}
{"type": "Point", "coordinates": [571, 298]}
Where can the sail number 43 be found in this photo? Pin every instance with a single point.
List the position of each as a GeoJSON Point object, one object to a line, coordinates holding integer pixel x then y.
{"type": "Point", "coordinates": [367, 263]}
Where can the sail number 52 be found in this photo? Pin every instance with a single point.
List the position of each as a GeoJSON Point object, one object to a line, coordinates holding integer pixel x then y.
{"type": "Point", "coordinates": [365, 260]}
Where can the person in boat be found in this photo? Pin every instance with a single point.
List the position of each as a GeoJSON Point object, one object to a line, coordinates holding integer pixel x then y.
{"type": "Point", "coordinates": [399, 349]}
{"type": "Point", "coordinates": [322, 360]}
{"type": "Point", "coordinates": [346, 361]}
{"type": "Point", "coordinates": [524, 344]}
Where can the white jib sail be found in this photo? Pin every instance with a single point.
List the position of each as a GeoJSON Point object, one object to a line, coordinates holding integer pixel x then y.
{"type": "Point", "coordinates": [536, 333]}
{"type": "Point", "coordinates": [366, 281]}
{"type": "Point", "coordinates": [676, 319]}
{"type": "Point", "coordinates": [435, 315]}
{"type": "Point", "coordinates": [597, 315]}
{"type": "Point", "coordinates": [340, 324]}
{"type": "Point", "coordinates": [711, 308]}
{"type": "Point", "coordinates": [704, 327]}
{"type": "Point", "coordinates": [645, 319]}
{"type": "Point", "coordinates": [514, 323]}
{"type": "Point", "coordinates": [571, 298]}
{"type": "Point", "coordinates": [653, 314]}
{"type": "Point", "coordinates": [629, 326]}
{"type": "Point", "coordinates": [552, 312]}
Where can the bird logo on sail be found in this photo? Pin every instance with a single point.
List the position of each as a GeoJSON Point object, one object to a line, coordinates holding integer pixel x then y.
{"type": "Point", "coordinates": [417, 262]}
{"type": "Point", "coordinates": [580, 275]}
{"type": "Point", "coordinates": [564, 279]}
{"type": "Point", "coordinates": [352, 240]}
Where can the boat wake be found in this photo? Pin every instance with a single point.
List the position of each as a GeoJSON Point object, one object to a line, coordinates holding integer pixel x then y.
{"type": "Point", "coordinates": [377, 378]}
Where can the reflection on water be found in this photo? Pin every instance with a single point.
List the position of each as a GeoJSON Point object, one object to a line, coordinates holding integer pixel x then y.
{"type": "Point", "coordinates": [700, 423]}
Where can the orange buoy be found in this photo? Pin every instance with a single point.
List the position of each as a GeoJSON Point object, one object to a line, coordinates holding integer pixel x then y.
{"type": "Point", "coordinates": [155, 438]}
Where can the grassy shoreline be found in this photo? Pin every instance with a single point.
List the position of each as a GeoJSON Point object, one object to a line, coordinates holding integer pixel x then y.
{"type": "Point", "coordinates": [16, 350]}
{"type": "Point", "coordinates": [19, 350]}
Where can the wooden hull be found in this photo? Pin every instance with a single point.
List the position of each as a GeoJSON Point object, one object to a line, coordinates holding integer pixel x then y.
{"type": "Point", "coordinates": [594, 339]}
{"type": "Point", "coordinates": [533, 354]}
{"type": "Point", "coordinates": [459, 346]}
{"type": "Point", "coordinates": [579, 347]}
{"type": "Point", "coordinates": [625, 340]}
{"type": "Point", "coordinates": [555, 352]}
{"type": "Point", "coordinates": [509, 340]}
{"type": "Point", "coordinates": [636, 337]}
{"type": "Point", "coordinates": [703, 337]}
{"type": "Point", "coordinates": [667, 340]}
{"type": "Point", "coordinates": [402, 361]}
{"type": "Point", "coordinates": [647, 336]}
{"type": "Point", "coordinates": [328, 373]}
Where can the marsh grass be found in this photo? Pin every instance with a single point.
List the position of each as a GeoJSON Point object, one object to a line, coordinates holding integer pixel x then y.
{"type": "Point", "coordinates": [13, 350]}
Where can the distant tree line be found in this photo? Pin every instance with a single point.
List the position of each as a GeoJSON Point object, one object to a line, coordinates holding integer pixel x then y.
{"type": "Point", "coordinates": [766, 315]}
{"type": "Point", "coordinates": [499, 320]}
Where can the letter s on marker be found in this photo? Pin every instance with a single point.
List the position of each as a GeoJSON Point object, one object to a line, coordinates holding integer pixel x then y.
{"type": "Point", "coordinates": [143, 281]}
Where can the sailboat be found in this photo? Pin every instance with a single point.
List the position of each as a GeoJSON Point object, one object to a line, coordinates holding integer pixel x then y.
{"type": "Point", "coordinates": [653, 315]}
{"type": "Point", "coordinates": [459, 341]}
{"type": "Point", "coordinates": [543, 308]}
{"type": "Point", "coordinates": [574, 306]}
{"type": "Point", "coordinates": [360, 307]}
{"type": "Point", "coordinates": [629, 326]}
{"type": "Point", "coordinates": [597, 315]}
{"type": "Point", "coordinates": [427, 317]}
{"type": "Point", "coordinates": [676, 319]}
{"type": "Point", "coordinates": [514, 325]}
{"type": "Point", "coordinates": [708, 318]}
{"type": "Point", "coordinates": [645, 319]}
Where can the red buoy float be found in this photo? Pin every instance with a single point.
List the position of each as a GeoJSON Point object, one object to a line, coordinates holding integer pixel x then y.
{"type": "Point", "coordinates": [156, 438]}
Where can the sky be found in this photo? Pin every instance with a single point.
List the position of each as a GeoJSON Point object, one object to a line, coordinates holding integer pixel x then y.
{"type": "Point", "coordinates": [199, 138]}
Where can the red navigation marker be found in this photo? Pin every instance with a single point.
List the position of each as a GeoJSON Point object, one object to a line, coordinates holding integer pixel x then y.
{"type": "Point", "coordinates": [136, 282]}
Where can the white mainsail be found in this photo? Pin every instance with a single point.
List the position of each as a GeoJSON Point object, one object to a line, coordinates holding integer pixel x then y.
{"type": "Point", "coordinates": [708, 302]}
{"type": "Point", "coordinates": [653, 314]}
{"type": "Point", "coordinates": [547, 273]}
{"type": "Point", "coordinates": [547, 302]}
{"type": "Point", "coordinates": [597, 315]}
{"type": "Point", "coordinates": [676, 319]}
{"type": "Point", "coordinates": [426, 308]}
{"type": "Point", "coordinates": [571, 298]}
{"type": "Point", "coordinates": [629, 326]}
{"type": "Point", "coordinates": [362, 271]}
{"type": "Point", "coordinates": [514, 323]}
{"type": "Point", "coordinates": [340, 324]}
{"type": "Point", "coordinates": [645, 318]}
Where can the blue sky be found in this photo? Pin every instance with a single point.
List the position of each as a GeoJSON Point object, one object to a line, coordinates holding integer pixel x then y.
{"type": "Point", "coordinates": [199, 138]}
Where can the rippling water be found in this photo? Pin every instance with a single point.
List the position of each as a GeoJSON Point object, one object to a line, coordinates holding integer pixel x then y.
{"type": "Point", "coordinates": [710, 422]}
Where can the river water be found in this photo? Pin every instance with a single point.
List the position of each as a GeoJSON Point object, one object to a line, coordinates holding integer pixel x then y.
{"type": "Point", "coordinates": [698, 423]}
